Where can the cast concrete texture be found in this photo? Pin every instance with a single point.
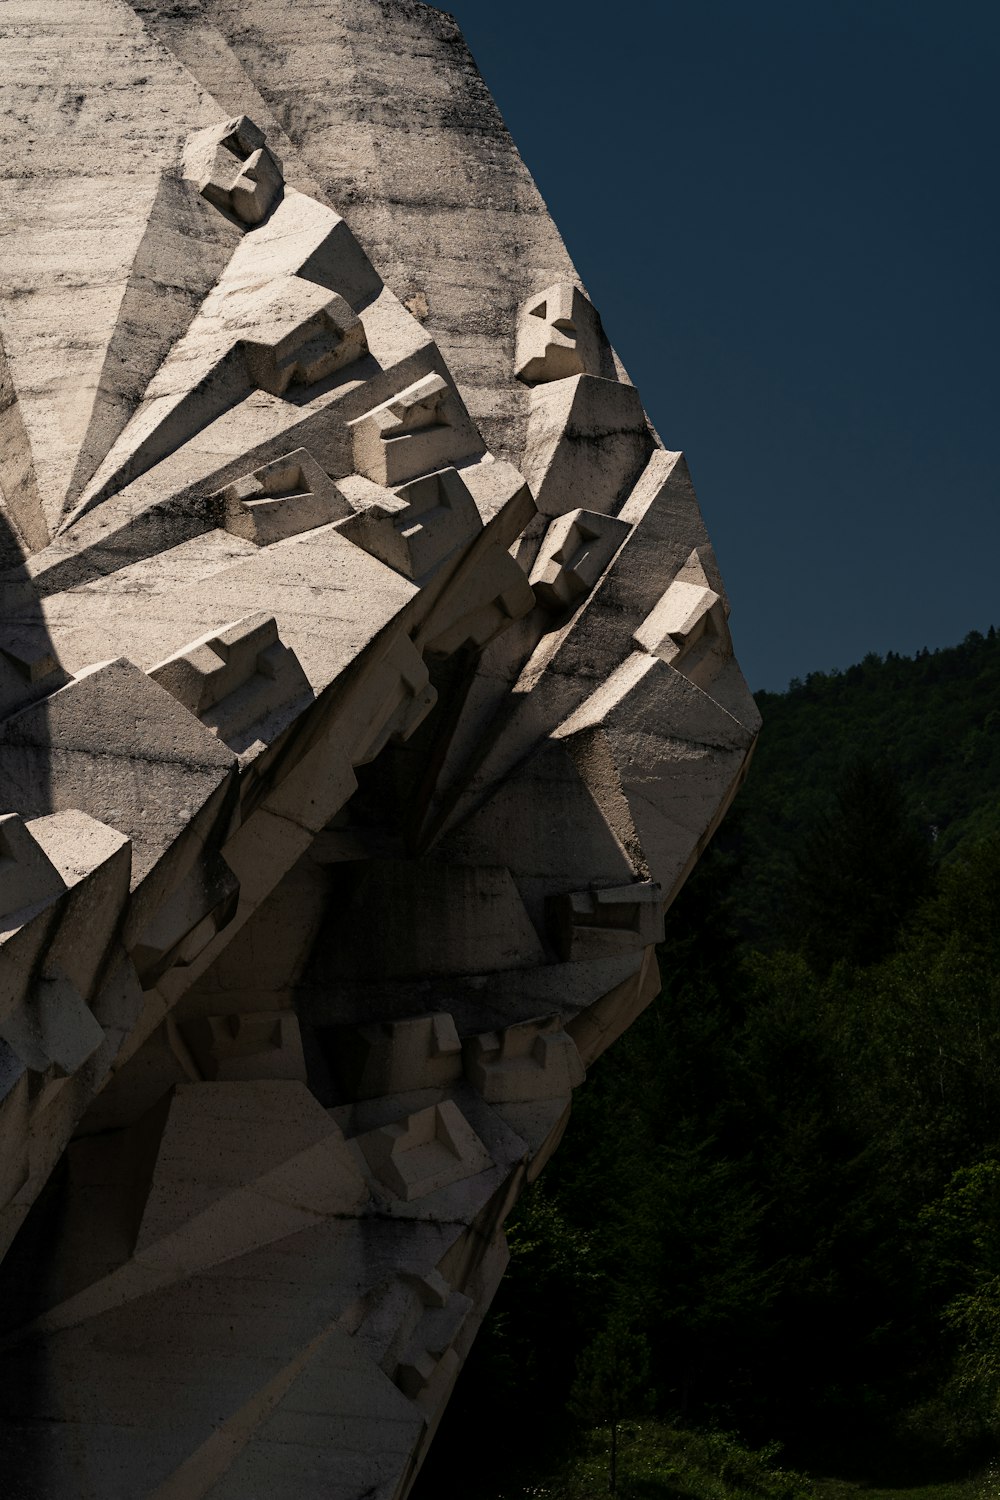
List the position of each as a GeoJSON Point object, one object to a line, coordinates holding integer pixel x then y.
{"type": "Point", "coordinates": [366, 695]}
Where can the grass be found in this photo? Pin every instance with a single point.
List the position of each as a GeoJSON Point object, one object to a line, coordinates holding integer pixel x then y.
{"type": "Point", "coordinates": [661, 1462]}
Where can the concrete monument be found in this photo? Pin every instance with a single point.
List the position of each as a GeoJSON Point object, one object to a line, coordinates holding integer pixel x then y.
{"type": "Point", "coordinates": [366, 695]}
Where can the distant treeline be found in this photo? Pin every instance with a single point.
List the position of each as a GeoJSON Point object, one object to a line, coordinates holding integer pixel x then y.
{"type": "Point", "coordinates": [776, 1212]}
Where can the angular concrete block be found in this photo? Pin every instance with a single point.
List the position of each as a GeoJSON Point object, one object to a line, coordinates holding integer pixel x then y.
{"type": "Point", "coordinates": [29, 880]}
{"type": "Point", "coordinates": [390, 702]}
{"type": "Point", "coordinates": [688, 628]}
{"type": "Point", "coordinates": [97, 745]}
{"type": "Point", "coordinates": [425, 427]}
{"type": "Point", "coordinates": [480, 605]}
{"type": "Point", "coordinates": [598, 1025]}
{"type": "Point", "coordinates": [426, 1151]}
{"type": "Point", "coordinates": [282, 498]}
{"type": "Point", "coordinates": [238, 679]}
{"type": "Point", "coordinates": [393, 1057]}
{"type": "Point", "coordinates": [201, 906]}
{"type": "Point", "coordinates": [558, 334]}
{"type": "Point", "coordinates": [246, 1045]}
{"type": "Point", "coordinates": [54, 1028]}
{"type": "Point", "coordinates": [414, 528]}
{"type": "Point", "coordinates": [429, 1366]}
{"type": "Point", "coordinates": [293, 333]}
{"type": "Point", "coordinates": [575, 552]}
{"type": "Point", "coordinates": [588, 440]}
{"type": "Point", "coordinates": [533, 1060]}
{"type": "Point", "coordinates": [234, 169]}
{"type": "Point", "coordinates": [598, 922]}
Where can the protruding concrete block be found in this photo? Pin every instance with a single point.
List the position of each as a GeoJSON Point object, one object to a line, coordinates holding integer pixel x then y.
{"type": "Point", "coordinates": [28, 878]}
{"type": "Point", "coordinates": [237, 678]}
{"type": "Point", "coordinates": [558, 334]}
{"type": "Point", "coordinates": [246, 1045]}
{"type": "Point", "coordinates": [425, 427]}
{"type": "Point", "coordinates": [688, 628]}
{"type": "Point", "coordinates": [31, 655]}
{"type": "Point", "coordinates": [393, 1057]}
{"type": "Point", "coordinates": [201, 906]}
{"type": "Point", "coordinates": [430, 1361]}
{"type": "Point", "coordinates": [575, 552]}
{"type": "Point", "coordinates": [54, 1028]}
{"type": "Point", "coordinates": [97, 745]}
{"type": "Point", "coordinates": [282, 498]}
{"type": "Point", "coordinates": [389, 703]}
{"type": "Point", "coordinates": [533, 1060]}
{"type": "Point", "coordinates": [235, 169]}
{"type": "Point", "coordinates": [595, 1027]}
{"type": "Point", "coordinates": [599, 922]}
{"type": "Point", "coordinates": [588, 440]}
{"type": "Point", "coordinates": [414, 528]}
{"type": "Point", "coordinates": [426, 1151]}
{"type": "Point", "coordinates": [294, 333]}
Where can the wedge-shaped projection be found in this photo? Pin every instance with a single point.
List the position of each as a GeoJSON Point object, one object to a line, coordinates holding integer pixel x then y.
{"type": "Point", "coordinates": [252, 1044]}
{"type": "Point", "coordinates": [428, 1150]}
{"type": "Point", "coordinates": [688, 628]}
{"type": "Point", "coordinates": [533, 1060]}
{"type": "Point", "coordinates": [273, 334]}
{"type": "Point", "coordinates": [425, 427]}
{"type": "Point", "coordinates": [29, 669]}
{"type": "Point", "coordinates": [270, 1164]}
{"type": "Point", "coordinates": [54, 1028]}
{"type": "Point", "coordinates": [282, 498]}
{"type": "Point", "coordinates": [389, 703]}
{"type": "Point", "coordinates": [28, 878]}
{"type": "Point", "coordinates": [277, 1157]}
{"type": "Point", "coordinates": [237, 679]}
{"type": "Point", "coordinates": [235, 169]}
{"type": "Point", "coordinates": [97, 744]}
{"type": "Point", "coordinates": [588, 440]}
{"type": "Point", "coordinates": [677, 758]}
{"type": "Point", "coordinates": [294, 334]}
{"type": "Point", "coordinates": [598, 923]}
{"type": "Point", "coordinates": [430, 1360]}
{"type": "Point", "coordinates": [416, 527]}
{"type": "Point", "coordinates": [575, 552]}
{"type": "Point", "coordinates": [202, 905]}
{"type": "Point", "coordinates": [558, 334]}
{"type": "Point", "coordinates": [392, 1057]}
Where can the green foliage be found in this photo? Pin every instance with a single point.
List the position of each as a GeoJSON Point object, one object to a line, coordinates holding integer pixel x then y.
{"type": "Point", "coordinates": [935, 720]}
{"type": "Point", "coordinates": [783, 1183]}
{"type": "Point", "coordinates": [611, 1382]}
{"type": "Point", "coordinates": [861, 870]}
{"type": "Point", "coordinates": [662, 1462]}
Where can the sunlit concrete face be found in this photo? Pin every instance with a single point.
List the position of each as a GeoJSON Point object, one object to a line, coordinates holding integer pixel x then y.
{"type": "Point", "coordinates": [367, 695]}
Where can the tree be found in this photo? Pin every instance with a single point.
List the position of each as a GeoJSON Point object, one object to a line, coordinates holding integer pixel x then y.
{"type": "Point", "coordinates": [612, 1376]}
{"type": "Point", "coordinates": [861, 870]}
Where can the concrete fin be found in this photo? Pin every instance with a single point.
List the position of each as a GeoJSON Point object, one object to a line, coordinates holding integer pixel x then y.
{"type": "Point", "coordinates": [22, 502]}
{"type": "Point", "coordinates": [181, 255]}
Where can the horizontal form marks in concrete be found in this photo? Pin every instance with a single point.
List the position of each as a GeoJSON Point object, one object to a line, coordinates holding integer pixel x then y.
{"type": "Point", "coordinates": [367, 693]}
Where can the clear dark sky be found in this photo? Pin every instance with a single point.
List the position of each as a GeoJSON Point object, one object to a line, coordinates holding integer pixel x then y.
{"type": "Point", "coordinates": [787, 212]}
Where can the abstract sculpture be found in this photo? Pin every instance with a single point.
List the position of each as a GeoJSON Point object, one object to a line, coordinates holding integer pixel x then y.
{"type": "Point", "coordinates": [367, 693]}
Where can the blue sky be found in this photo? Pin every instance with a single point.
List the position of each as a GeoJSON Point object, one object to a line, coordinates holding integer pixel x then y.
{"type": "Point", "coordinates": [787, 212]}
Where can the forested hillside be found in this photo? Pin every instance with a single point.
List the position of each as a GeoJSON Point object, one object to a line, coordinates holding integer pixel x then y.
{"type": "Point", "coordinates": [770, 1242]}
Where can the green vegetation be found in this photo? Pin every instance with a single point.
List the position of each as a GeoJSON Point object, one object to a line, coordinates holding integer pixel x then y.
{"type": "Point", "coordinates": [773, 1228]}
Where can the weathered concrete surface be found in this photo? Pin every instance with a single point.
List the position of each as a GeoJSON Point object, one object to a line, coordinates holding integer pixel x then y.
{"type": "Point", "coordinates": [366, 694]}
